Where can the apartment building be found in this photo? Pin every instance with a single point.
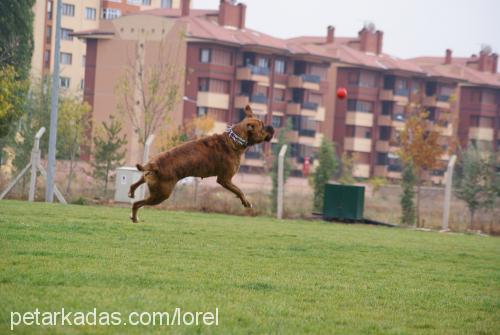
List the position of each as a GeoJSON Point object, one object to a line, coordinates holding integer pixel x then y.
{"type": "Point", "coordinates": [383, 91]}
{"type": "Point", "coordinates": [77, 15]}
{"type": "Point", "coordinates": [226, 66]}
{"type": "Point", "coordinates": [479, 98]}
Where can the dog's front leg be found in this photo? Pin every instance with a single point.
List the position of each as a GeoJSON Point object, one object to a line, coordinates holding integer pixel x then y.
{"type": "Point", "coordinates": [228, 185]}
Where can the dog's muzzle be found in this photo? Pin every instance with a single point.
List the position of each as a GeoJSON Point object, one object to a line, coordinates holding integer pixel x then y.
{"type": "Point", "coordinates": [270, 133]}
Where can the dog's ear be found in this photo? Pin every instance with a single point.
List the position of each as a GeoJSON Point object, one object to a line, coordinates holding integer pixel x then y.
{"type": "Point", "coordinates": [248, 111]}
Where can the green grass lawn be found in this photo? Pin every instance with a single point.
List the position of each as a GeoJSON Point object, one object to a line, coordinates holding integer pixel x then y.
{"type": "Point", "coordinates": [265, 276]}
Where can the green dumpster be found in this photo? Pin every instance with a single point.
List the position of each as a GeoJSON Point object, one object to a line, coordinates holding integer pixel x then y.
{"type": "Point", "coordinates": [343, 202]}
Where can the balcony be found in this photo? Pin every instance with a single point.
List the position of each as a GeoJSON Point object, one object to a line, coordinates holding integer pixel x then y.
{"type": "Point", "coordinates": [310, 105]}
{"type": "Point", "coordinates": [305, 81]}
{"type": "Point", "coordinates": [359, 119]}
{"type": "Point", "coordinates": [253, 73]}
{"type": "Point", "coordinates": [213, 100]}
{"type": "Point", "coordinates": [387, 94]}
{"type": "Point", "coordinates": [399, 95]}
{"type": "Point", "coordinates": [307, 138]}
{"type": "Point", "coordinates": [384, 120]}
{"type": "Point", "coordinates": [445, 129]}
{"type": "Point", "coordinates": [382, 146]}
{"type": "Point", "coordinates": [241, 101]}
{"type": "Point", "coordinates": [380, 170]}
{"type": "Point", "coordinates": [401, 92]}
{"type": "Point", "coordinates": [259, 103]}
{"type": "Point", "coordinates": [293, 108]}
{"type": "Point", "coordinates": [358, 144]}
{"type": "Point", "coordinates": [308, 109]}
{"type": "Point", "coordinates": [307, 132]}
{"type": "Point", "coordinates": [361, 170]}
{"type": "Point", "coordinates": [440, 101]}
{"type": "Point", "coordinates": [481, 133]}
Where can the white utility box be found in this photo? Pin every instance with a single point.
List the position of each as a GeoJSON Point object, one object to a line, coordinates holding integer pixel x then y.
{"type": "Point", "coordinates": [126, 176]}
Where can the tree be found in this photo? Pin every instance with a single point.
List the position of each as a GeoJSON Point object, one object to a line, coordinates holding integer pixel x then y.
{"type": "Point", "coordinates": [407, 200]}
{"type": "Point", "coordinates": [37, 115]}
{"type": "Point", "coordinates": [73, 122]}
{"type": "Point", "coordinates": [12, 97]}
{"type": "Point", "coordinates": [475, 180]}
{"type": "Point", "coordinates": [346, 166]}
{"type": "Point", "coordinates": [16, 36]}
{"type": "Point", "coordinates": [328, 165]}
{"type": "Point", "coordinates": [108, 153]}
{"type": "Point", "coordinates": [287, 168]}
{"type": "Point", "coordinates": [147, 94]}
{"type": "Point", "coordinates": [420, 146]}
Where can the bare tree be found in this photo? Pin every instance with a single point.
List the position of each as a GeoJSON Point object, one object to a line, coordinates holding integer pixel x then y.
{"type": "Point", "coordinates": [147, 93]}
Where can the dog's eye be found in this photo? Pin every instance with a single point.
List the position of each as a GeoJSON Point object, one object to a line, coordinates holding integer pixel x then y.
{"type": "Point", "coordinates": [250, 127]}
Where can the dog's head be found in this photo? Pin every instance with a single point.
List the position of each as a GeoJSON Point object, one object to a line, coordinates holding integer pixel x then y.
{"type": "Point", "coordinates": [255, 130]}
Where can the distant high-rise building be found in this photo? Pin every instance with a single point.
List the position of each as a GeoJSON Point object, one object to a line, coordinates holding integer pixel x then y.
{"type": "Point", "coordinates": [77, 15]}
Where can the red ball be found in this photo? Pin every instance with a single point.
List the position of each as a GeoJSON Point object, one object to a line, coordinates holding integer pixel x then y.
{"type": "Point", "coordinates": [341, 93]}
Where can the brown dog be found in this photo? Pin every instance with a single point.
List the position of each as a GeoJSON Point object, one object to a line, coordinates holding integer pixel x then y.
{"type": "Point", "coordinates": [217, 155]}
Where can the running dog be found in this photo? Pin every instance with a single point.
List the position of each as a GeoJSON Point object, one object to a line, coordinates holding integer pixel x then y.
{"type": "Point", "coordinates": [216, 155]}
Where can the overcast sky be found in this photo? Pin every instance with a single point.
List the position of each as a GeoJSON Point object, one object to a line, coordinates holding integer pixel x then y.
{"type": "Point", "coordinates": [411, 27]}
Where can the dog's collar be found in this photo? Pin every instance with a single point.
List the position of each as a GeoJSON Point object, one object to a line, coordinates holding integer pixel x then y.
{"type": "Point", "coordinates": [235, 137]}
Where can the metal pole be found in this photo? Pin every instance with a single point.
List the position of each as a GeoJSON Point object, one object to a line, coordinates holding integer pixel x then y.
{"type": "Point", "coordinates": [145, 159]}
{"type": "Point", "coordinates": [51, 164]}
{"type": "Point", "coordinates": [447, 193]}
{"type": "Point", "coordinates": [35, 161]}
{"type": "Point", "coordinates": [281, 161]}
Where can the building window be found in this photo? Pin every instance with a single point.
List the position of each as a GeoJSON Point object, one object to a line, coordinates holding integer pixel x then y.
{"type": "Point", "coordinates": [82, 84]}
{"type": "Point", "coordinates": [277, 121]}
{"type": "Point", "coordinates": [64, 82]}
{"type": "Point", "coordinates": [359, 106]}
{"type": "Point", "coordinates": [279, 94]}
{"type": "Point", "coordinates": [353, 78]}
{"type": "Point", "coordinates": [166, 3]}
{"type": "Point", "coordinates": [135, 2]}
{"type": "Point", "coordinates": [66, 58]}
{"type": "Point", "coordinates": [386, 107]}
{"type": "Point", "coordinates": [111, 13]}
{"type": "Point", "coordinates": [49, 10]}
{"type": "Point", "coordinates": [84, 60]}
{"type": "Point", "coordinates": [90, 13]}
{"type": "Point", "coordinates": [367, 79]}
{"type": "Point", "coordinates": [68, 10]}
{"type": "Point", "coordinates": [48, 34]}
{"type": "Point", "coordinates": [263, 62]}
{"type": "Point", "coordinates": [381, 158]}
{"type": "Point", "coordinates": [46, 58]}
{"type": "Point", "coordinates": [66, 34]}
{"type": "Point", "coordinates": [279, 66]}
{"type": "Point", "coordinates": [202, 111]}
{"type": "Point", "coordinates": [205, 55]}
{"type": "Point", "coordinates": [146, 2]}
{"type": "Point", "coordinates": [203, 84]}
{"type": "Point", "coordinates": [384, 133]}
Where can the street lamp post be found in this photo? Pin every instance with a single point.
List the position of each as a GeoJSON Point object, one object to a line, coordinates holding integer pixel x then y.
{"type": "Point", "coordinates": [51, 164]}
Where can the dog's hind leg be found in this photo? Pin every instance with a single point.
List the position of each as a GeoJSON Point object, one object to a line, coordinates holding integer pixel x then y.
{"type": "Point", "coordinates": [157, 196]}
{"type": "Point", "coordinates": [134, 186]}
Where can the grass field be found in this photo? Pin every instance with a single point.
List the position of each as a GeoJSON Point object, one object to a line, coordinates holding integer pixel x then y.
{"type": "Point", "coordinates": [264, 276]}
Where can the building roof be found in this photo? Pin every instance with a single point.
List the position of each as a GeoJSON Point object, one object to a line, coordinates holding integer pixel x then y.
{"type": "Point", "coordinates": [343, 49]}
{"type": "Point", "coordinates": [458, 70]}
{"type": "Point", "coordinates": [203, 24]}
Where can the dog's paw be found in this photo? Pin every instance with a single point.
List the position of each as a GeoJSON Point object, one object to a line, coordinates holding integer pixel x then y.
{"type": "Point", "coordinates": [246, 204]}
{"type": "Point", "coordinates": [134, 219]}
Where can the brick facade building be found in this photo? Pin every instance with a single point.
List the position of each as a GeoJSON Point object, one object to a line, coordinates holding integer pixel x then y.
{"type": "Point", "coordinates": [226, 65]}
